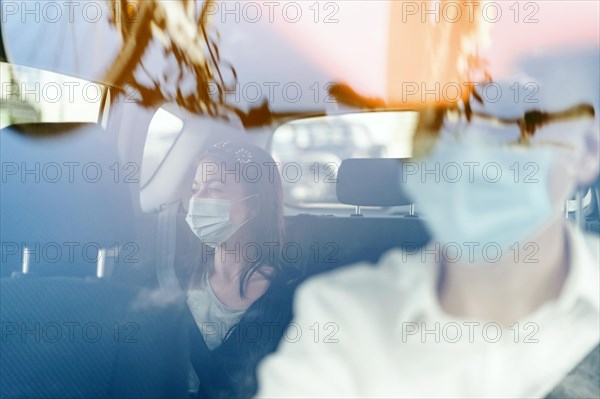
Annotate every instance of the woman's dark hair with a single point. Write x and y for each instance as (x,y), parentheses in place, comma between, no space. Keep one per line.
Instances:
(256,170)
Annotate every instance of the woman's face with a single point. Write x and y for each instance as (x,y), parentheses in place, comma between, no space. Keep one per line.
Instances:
(215,180)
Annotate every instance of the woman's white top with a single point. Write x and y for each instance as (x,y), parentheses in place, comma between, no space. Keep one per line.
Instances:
(379,332)
(214,319)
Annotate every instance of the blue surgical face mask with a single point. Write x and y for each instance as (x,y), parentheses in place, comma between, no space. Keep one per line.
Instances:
(209,219)
(476,195)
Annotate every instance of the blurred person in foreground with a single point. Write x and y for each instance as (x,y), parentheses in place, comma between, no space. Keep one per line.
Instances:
(504,301)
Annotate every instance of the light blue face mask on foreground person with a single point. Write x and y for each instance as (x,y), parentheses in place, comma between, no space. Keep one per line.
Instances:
(475,192)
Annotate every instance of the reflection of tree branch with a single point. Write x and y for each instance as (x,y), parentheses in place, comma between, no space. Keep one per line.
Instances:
(344,94)
(262,115)
(135,41)
(535,119)
(185,38)
(208,96)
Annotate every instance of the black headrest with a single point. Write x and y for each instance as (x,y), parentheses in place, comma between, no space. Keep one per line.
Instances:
(371,182)
(63,195)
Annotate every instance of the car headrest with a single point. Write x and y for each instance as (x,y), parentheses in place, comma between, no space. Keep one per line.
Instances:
(63,196)
(371,182)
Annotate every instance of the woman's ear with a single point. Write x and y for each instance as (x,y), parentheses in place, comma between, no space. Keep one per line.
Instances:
(253,206)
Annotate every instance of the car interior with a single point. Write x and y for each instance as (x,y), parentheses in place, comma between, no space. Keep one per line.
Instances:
(41,217)
(93,225)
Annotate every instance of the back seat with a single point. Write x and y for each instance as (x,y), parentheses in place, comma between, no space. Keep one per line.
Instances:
(318,243)
(66,333)
(81,338)
(328,242)
(63,198)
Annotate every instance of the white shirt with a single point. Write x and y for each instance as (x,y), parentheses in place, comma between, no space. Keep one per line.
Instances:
(214,319)
(386,320)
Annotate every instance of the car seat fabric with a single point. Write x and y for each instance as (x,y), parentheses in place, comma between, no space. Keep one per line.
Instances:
(68,337)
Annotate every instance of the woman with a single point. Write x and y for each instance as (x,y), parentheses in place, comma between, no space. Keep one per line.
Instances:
(239,292)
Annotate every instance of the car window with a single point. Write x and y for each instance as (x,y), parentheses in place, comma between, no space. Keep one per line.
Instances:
(310,151)
(164,129)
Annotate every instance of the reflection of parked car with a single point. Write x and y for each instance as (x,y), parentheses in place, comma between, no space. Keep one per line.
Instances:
(319,148)
(342,139)
(317,182)
(15,111)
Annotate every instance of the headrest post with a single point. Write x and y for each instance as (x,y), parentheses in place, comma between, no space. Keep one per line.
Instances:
(25,264)
(357,210)
(411,210)
(101,264)
(579,209)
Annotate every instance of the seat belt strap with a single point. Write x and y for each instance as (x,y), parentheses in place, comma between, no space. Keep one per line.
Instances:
(165,265)
(201,357)
(211,373)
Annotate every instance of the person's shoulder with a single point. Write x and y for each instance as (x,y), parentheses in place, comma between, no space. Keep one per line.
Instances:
(592,242)
(589,242)
(393,269)
(363,284)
